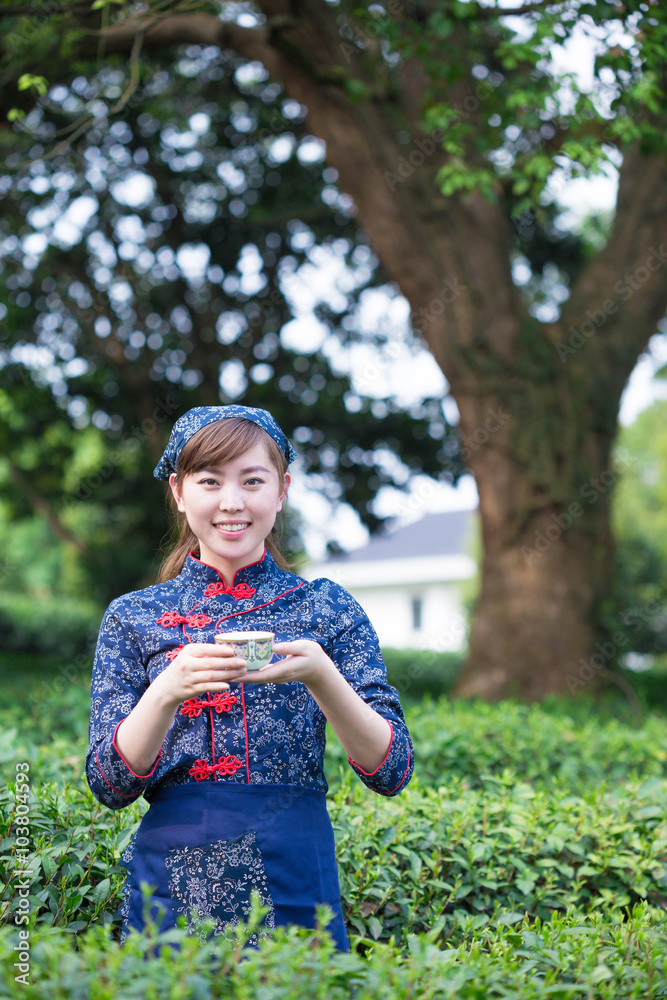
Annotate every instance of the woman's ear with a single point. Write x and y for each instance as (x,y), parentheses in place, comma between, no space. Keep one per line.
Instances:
(173,483)
(287,479)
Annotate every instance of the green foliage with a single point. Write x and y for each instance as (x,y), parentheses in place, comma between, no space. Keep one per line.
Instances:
(526,829)
(28,81)
(512,92)
(639,518)
(75,875)
(451,856)
(53,627)
(568,957)
(527,859)
(557,745)
(416,672)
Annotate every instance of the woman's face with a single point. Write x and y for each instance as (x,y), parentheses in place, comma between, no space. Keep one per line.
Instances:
(232,509)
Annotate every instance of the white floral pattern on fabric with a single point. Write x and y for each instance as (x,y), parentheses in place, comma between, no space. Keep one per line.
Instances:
(276,732)
(124,909)
(215,882)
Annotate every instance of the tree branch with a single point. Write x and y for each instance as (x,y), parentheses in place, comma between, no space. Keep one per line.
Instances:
(41,506)
(193,29)
(627,279)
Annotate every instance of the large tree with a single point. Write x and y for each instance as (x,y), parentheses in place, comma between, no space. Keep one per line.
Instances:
(446,121)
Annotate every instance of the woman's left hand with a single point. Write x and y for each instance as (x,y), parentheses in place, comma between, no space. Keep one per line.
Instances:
(302,660)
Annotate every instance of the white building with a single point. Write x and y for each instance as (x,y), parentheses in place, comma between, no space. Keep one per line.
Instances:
(410,580)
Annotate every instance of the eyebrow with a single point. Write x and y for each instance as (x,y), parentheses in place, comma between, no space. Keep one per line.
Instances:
(242,472)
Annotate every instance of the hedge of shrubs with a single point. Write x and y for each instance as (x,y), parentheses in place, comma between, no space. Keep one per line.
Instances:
(40,626)
(528,859)
(558,744)
(570,956)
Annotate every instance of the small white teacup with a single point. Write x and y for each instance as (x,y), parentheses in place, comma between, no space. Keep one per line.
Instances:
(256,648)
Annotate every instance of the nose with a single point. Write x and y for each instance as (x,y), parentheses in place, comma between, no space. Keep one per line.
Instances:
(231,498)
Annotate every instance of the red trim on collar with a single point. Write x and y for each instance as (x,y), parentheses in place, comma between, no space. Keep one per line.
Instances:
(216,570)
(247,611)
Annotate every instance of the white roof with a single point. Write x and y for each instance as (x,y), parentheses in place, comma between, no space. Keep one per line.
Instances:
(433,549)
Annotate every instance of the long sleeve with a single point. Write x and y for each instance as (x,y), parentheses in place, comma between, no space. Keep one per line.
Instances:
(119,680)
(355,650)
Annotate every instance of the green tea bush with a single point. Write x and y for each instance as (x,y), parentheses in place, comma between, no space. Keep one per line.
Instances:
(428,858)
(570,956)
(75,877)
(528,859)
(563,745)
(451,857)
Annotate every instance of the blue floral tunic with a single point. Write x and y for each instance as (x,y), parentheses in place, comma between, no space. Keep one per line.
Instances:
(267,738)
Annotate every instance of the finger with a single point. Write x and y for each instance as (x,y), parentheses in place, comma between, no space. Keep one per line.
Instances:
(199,649)
(225,667)
(212,682)
(294,646)
(202,686)
(271,673)
(285,648)
(233,666)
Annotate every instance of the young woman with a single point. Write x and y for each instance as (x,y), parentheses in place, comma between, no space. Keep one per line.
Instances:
(231,762)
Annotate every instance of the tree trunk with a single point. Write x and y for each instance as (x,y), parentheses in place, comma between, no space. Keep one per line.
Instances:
(543,579)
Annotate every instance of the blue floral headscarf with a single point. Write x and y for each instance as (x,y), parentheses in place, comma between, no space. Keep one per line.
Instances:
(201,416)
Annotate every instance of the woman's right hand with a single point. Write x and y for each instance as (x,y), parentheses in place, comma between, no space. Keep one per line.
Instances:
(198,668)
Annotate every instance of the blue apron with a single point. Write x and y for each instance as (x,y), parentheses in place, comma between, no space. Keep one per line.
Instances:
(206,846)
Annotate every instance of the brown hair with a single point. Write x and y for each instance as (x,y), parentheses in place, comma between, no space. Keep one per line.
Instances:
(213,446)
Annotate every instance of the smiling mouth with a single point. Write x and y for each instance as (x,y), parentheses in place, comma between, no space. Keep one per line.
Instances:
(233,527)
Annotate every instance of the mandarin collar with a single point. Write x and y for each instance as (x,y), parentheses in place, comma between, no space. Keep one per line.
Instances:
(200,574)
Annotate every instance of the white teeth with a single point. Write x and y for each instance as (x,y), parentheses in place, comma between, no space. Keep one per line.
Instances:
(232,527)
